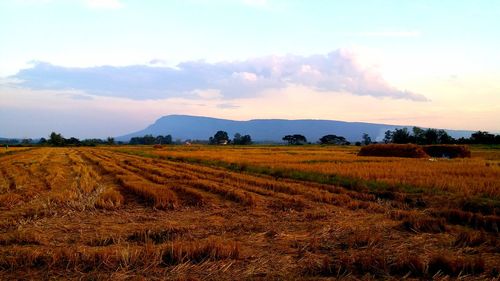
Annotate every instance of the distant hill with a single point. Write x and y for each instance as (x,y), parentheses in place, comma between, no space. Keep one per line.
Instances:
(266,130)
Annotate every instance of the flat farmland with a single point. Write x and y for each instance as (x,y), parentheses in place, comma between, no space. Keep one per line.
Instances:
(239,213)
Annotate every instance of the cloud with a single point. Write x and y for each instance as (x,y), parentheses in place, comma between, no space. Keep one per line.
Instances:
(209,94)
(227,106)
(337,71)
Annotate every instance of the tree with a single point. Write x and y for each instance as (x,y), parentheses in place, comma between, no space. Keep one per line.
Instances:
(146,139)
(56,139)
(92,142)
(242,140)
(295,139)
(333,139)
(164,139)
(220,137)
(110,141)
(418,135)
(150,139)
(237,138)
(366,139)
(401,136)
(481,137)
(42,141)
(72,141)
(444,138)
(431,136)
(388,136)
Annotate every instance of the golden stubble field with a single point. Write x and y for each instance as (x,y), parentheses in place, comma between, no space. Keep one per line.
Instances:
(260,213)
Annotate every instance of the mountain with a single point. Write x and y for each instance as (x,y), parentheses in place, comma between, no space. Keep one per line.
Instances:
(265,130)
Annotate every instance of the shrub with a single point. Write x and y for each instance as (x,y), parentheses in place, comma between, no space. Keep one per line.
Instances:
(447,151)
(393,150)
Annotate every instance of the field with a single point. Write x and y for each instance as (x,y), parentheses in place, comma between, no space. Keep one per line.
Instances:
(239,213)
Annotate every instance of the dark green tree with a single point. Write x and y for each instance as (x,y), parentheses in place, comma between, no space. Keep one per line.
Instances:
(431,136)
(388,136)
(366,139)
(221,137)
(72,141)
(295,139)
(147,139)
(56,139)
(401,136)
(482,137)
(242,140)
(444,138)
(333,139)
(418,135)
(164,139)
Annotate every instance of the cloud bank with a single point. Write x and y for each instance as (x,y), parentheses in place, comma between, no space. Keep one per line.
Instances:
(337,71)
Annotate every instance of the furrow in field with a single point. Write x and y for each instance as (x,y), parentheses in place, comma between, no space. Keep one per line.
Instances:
(188,195)
(210,179)
(154,194)
(210,182)
(20,181)
(92,190)
(282,185)
(183,187)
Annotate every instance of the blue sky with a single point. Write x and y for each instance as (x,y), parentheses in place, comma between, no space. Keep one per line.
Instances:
(107,67)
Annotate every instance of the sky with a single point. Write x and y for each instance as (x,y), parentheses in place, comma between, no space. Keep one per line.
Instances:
(98,68)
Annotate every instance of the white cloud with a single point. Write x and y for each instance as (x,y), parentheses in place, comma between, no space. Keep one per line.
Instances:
(338,71)
(208,94)
(245,76)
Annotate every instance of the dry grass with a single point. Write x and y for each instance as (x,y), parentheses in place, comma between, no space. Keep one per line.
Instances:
(95,213)
(110,199)
(424,224)
(478,176)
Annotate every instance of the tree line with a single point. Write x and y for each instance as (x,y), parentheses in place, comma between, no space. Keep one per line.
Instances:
(150,139)
(221,137)
(400,136)
(56,139)
(434,136)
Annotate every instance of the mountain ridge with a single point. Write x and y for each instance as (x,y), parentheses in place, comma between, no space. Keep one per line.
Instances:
(193,127)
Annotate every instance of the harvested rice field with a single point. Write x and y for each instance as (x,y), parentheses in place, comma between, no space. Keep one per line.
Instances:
(246,213)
